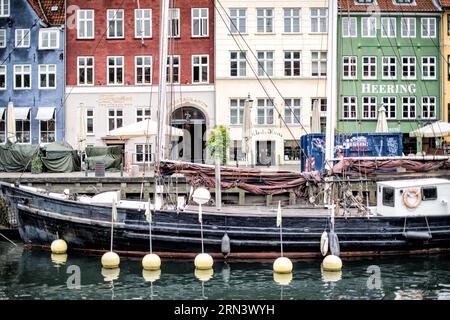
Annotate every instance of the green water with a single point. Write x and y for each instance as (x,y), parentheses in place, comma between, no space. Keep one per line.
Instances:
(31,274)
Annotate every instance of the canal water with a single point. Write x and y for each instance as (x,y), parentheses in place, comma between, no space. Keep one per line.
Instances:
(32,274)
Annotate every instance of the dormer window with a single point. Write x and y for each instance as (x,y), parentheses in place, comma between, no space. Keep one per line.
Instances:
(404,1)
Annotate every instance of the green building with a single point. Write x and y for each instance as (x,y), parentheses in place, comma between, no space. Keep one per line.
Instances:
(389,55)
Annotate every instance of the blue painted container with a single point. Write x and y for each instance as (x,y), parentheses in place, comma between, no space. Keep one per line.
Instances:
(350,145)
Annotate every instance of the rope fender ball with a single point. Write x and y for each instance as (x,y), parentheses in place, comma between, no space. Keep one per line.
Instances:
(412,193)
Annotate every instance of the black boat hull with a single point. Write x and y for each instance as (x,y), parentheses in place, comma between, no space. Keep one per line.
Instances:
(87,227)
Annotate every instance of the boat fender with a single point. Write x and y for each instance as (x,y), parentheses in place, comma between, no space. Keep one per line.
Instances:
(412,193)
(334,244)
(226,247)
(324,243)
(417,235)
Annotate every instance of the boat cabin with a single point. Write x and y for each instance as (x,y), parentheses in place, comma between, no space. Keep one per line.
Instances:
(413,197)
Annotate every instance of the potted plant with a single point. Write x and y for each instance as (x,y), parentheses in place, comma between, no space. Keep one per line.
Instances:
(36,165)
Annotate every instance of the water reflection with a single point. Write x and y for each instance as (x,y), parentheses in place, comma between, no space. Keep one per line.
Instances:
(30,274)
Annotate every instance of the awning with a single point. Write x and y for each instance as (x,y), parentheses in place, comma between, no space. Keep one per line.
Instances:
(433,130)
(21,113)
(45,114)
(2,112)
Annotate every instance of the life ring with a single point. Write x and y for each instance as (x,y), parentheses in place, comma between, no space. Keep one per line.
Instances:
(407,194)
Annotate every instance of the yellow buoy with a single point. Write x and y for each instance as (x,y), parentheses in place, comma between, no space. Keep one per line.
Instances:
(204,274)
(151,262)
(282,265)
(282,278)
(332,263)
(110,274)
(203,261)
(59,246)
(110,260)
(59,258)
(151,275)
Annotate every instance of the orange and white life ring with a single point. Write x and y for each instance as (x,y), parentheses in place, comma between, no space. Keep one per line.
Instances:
(412,193)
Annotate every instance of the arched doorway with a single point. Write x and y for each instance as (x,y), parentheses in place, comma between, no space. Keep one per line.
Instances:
(191,146)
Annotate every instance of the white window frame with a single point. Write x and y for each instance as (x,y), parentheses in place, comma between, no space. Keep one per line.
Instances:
(427,104)
(426,65)
(85,67)
(115,67)
(237,20)
(241,63)
(88,24)
(349,67)
(3,39)
(369,103)
(23,38)
(146,153)
(201,66)
(408,65)
(18,131)
(351,104)
(50,33)
(117,17)
(320,61)
(292,20)
(4,73)
(203,22)
(371,67)
(115,117)
(390,105)
(143,116)
(44,69)
(90,117)
(265,64)
(389,64)
(389,27)
(174,28)
(292,61)
(23,74)
(426,30)
(53,119)
(268,109)
(368,27)
(293,111)
(5,8)
(410,107)
(267,20)
(349,27)
(144,66)
(238,105)
(408,31)
(3,133)
(140,19)
(171,66)
(318,15)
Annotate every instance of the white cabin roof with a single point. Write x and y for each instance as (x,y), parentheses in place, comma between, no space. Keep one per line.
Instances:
(413,183)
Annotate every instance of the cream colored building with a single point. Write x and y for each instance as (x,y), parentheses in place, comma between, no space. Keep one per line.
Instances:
(289,39)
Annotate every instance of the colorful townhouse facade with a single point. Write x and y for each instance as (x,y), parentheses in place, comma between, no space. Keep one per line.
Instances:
(113,73)
(389,55)
(445,70)
(271,58)
(32,69)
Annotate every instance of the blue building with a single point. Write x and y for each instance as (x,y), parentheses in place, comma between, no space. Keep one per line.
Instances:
(32,69)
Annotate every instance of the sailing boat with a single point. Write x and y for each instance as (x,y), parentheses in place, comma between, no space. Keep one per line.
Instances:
(410,216)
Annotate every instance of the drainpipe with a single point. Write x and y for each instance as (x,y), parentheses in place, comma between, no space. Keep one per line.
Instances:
(64,71)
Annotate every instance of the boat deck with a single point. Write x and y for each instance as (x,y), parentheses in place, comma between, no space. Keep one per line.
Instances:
(271,211)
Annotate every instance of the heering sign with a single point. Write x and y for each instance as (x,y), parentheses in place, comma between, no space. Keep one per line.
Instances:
(389,88)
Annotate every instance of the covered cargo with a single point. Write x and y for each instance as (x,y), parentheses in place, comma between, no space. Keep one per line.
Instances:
(60,157)
(349,145)
(110,155)
(17,157)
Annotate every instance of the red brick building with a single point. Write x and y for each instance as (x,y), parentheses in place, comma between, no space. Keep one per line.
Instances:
(113,65)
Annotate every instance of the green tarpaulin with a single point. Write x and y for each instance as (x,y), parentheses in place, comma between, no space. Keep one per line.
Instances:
(60,157)
(17,157)
(111,155)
